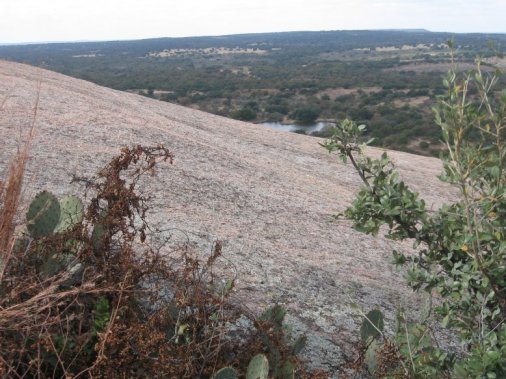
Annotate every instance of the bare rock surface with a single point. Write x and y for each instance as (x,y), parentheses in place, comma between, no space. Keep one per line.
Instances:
(268,195)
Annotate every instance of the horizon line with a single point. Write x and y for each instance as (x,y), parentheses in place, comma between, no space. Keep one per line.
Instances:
(47,42)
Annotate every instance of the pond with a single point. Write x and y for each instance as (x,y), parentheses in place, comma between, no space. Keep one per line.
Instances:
(308,129)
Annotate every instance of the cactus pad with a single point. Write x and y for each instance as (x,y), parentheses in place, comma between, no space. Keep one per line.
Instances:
(71,213)
(275,314)
(225,373)
(258,367)
(43,214)
(372,326)
(56,263)
(370,356)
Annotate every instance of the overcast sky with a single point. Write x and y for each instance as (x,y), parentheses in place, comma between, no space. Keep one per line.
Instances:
(74,20)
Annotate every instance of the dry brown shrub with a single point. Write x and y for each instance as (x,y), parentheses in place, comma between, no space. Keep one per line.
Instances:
(122,308)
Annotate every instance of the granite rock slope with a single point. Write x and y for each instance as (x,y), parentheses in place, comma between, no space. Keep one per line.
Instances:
(268,195)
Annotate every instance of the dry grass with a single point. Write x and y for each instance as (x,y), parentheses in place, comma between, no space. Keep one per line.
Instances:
(121,308)
(10,190)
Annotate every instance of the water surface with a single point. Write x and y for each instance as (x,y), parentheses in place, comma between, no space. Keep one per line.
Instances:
(293,127)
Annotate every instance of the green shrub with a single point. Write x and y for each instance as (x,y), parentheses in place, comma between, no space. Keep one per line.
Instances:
(244,114)
(461,247)
(306,115)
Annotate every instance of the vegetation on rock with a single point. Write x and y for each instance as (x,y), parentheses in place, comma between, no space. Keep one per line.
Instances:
(461,248)
(95,294)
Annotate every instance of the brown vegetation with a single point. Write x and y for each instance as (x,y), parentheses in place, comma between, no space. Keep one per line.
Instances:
(115,306)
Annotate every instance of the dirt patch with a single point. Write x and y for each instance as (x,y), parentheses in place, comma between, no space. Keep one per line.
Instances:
(206,51)
(496,62)
(333,93)
(420,46)
(429,67)
(412,101)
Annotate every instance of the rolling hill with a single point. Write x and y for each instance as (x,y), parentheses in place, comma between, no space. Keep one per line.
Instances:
(268,195)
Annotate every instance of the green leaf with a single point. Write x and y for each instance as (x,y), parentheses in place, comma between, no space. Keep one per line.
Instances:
(229,285)
(101,314)
(182,329)
(495,172)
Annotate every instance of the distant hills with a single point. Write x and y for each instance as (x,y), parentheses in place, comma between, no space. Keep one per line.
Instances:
(405,30)
(341,39)
(386,79)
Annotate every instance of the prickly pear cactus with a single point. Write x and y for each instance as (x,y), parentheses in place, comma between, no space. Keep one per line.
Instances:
(43,214)
(370,356)
(225,373)
(22,238)
(287,371)
(71,213)
(372,326)
(56,263)
(258,367)
(299,345)
(275,314)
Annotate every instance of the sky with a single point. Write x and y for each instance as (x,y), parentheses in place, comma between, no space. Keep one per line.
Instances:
(88,20)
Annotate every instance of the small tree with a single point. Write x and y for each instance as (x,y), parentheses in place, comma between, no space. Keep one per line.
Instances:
(244,114)
(306,115)
(461,247)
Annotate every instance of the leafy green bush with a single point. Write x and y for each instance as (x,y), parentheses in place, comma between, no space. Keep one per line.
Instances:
(461,247)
